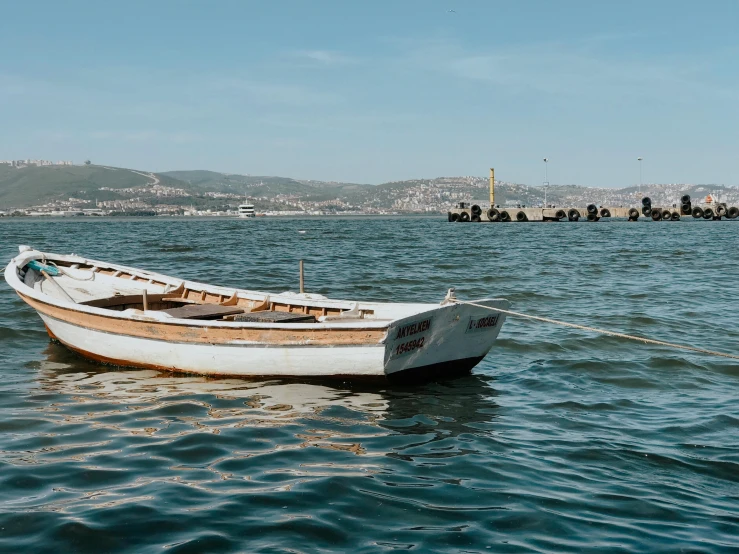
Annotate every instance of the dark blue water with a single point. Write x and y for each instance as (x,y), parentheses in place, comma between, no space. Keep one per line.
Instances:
(560,441)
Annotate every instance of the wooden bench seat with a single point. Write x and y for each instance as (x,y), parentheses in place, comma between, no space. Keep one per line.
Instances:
(203,311)
(268,316)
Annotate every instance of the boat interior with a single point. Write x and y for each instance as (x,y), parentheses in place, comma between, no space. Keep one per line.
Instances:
(143,293)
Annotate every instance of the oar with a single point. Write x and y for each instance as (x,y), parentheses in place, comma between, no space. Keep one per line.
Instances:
(58,286)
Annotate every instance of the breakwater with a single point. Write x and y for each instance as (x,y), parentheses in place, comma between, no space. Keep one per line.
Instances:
(465,212)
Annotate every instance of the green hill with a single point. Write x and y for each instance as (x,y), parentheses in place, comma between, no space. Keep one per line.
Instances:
(198,177)
(228,182)
(131,189)
(33,185)
(263,186)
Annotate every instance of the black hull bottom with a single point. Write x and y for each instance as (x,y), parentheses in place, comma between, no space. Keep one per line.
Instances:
(435,372)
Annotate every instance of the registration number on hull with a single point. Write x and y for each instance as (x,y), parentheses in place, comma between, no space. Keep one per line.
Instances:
(408,347)
(409,335)
(485,323)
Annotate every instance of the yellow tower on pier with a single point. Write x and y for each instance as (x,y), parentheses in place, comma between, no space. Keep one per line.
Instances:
(492,187)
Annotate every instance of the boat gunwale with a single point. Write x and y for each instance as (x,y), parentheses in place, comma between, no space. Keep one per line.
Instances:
(303,342)
(13,279)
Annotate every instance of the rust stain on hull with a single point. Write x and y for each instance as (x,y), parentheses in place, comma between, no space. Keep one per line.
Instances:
(51,334)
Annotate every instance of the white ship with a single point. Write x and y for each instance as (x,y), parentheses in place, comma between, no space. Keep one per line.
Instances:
(246,210)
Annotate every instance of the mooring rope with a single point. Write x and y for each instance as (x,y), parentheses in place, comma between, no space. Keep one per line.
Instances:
(604,331)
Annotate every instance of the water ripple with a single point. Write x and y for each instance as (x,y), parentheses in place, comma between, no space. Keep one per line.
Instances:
(561,441)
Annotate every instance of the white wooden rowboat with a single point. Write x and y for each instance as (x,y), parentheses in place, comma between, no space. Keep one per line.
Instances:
(130,317)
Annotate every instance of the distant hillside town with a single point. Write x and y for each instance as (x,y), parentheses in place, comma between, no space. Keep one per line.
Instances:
(38,163)
(36,188)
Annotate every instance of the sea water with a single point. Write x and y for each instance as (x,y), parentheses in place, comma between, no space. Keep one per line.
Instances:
(559,441)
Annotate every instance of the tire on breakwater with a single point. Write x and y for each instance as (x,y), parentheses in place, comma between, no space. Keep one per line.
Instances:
(721,210)
(521,216)
(685,199)
(675,216)
(708,213)
(505,216)
(633,214)
(476,219)
(605,212)
(592,209)
(646,201)
(476,210)
(493,214)
(732,213)
(593,217)
(463,217)
(666,215)
(656,214)
(697,212)
(449,216)
(560,214)
(686,209)
(453,217)
(573,214)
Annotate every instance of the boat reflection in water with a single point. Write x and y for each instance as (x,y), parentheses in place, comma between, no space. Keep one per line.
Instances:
(154,453)
(225,402)
(64,372)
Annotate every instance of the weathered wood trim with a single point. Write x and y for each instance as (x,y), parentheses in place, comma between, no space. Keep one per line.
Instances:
(232,300)
(176,291)
(193,333)
(264,305)
(123,299)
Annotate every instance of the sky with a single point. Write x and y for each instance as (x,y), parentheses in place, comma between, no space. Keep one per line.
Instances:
(378,91)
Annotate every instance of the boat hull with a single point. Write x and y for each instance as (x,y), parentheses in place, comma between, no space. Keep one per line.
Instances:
(244,360)
(447,350)
(311,363)
(393,341)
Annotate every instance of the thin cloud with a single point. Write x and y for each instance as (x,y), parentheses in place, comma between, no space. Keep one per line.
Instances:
(324,57)
(269,93)
(574,68)
(11,85)
(342,122)
(146,135)
(25,86)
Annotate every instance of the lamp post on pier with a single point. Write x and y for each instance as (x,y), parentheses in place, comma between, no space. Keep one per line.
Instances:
(546,179)
(639,159)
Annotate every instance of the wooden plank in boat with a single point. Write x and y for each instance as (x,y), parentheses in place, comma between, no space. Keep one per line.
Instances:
(121,299)
(203,311)
(275,317)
